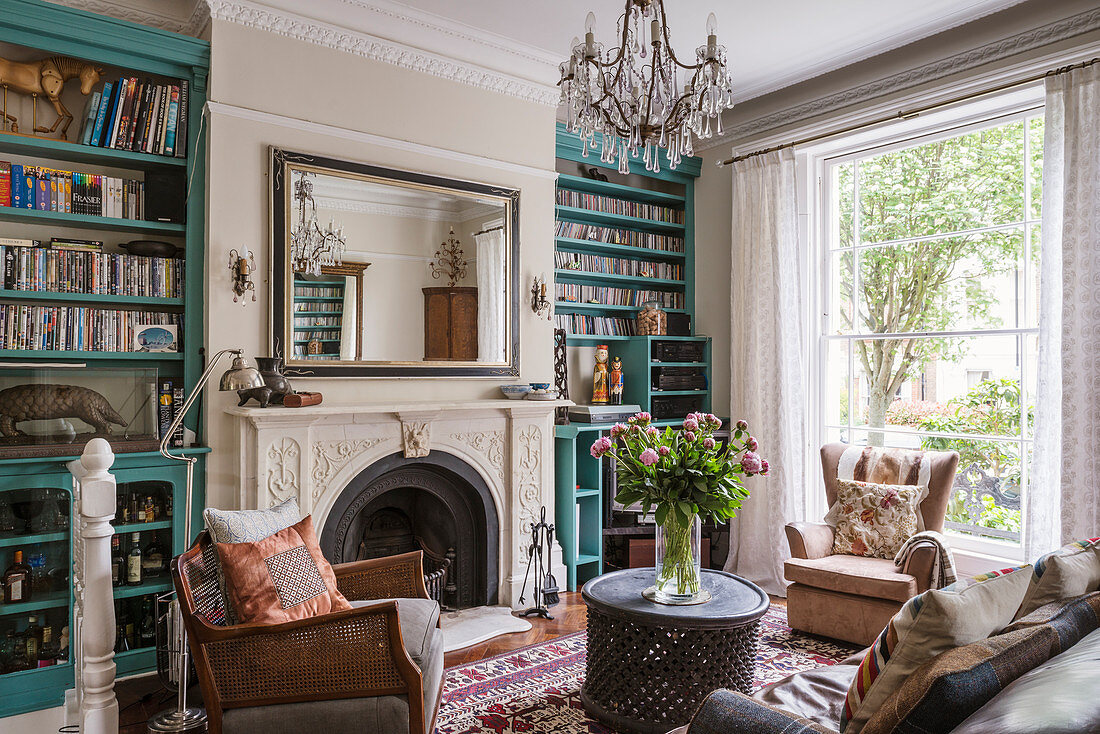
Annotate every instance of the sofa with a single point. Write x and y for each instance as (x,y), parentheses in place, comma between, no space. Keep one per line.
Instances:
(1040,675)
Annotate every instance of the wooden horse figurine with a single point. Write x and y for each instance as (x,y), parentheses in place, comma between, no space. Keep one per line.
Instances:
(47,77)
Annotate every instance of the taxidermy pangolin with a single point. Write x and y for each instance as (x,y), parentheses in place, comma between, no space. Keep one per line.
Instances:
(45,402)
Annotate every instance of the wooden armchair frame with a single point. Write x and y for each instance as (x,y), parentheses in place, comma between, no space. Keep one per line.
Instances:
(357,653)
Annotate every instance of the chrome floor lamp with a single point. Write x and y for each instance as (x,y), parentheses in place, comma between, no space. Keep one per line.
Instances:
(239,376)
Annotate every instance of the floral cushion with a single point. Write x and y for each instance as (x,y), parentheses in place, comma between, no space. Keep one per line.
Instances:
(249,526)
(874,519)
(928,625)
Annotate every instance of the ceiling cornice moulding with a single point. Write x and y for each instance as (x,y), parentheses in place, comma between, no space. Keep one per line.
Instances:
(395,52)
(1005,48)
(191,26)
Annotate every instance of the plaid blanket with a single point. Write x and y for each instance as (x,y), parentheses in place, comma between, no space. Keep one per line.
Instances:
(943,569)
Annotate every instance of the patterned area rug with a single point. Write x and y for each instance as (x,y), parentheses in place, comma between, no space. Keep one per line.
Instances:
(536,690)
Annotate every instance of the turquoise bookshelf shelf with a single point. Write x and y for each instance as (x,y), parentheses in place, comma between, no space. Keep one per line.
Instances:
(54,600)
(35,355)
(34,28)
(87,221)
(89,298)
(63,150)
(16,541)
(581,495)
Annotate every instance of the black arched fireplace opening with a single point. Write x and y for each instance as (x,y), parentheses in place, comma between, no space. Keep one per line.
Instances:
(438,504)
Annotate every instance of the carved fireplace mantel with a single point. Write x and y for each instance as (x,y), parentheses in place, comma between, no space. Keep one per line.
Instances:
(313,453)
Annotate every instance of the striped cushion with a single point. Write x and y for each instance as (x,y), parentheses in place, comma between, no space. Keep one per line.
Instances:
(942,692)
(1069,571)
(927,625)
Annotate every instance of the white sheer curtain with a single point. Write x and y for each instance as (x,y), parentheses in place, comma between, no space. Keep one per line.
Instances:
(767,361)
(349,328)
(491,283)
(1063,503)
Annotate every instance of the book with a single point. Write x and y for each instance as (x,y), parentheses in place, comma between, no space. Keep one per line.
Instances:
(165,396)
(164,103)
(181,119)
(18,242)
(101,113)
(41,189)
(126,121)
(177,406)
(113,112)
(5,183)
(90,112)
(172,123)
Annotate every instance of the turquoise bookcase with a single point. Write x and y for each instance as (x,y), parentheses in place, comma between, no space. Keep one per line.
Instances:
(580,493)
(47,28)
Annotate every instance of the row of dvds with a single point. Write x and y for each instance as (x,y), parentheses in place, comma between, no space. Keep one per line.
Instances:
(613,236)
(607,296)
(312,322)
(70,192)
(301,291)
(76,328)
(141,115)
(576,323)
(617,266)
(67,271)
(611,205)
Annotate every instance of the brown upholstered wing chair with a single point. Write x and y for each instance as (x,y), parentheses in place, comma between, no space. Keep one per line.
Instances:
(376,667)
(850,597)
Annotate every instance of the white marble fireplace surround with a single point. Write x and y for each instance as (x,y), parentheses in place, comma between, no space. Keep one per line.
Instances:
(313,453)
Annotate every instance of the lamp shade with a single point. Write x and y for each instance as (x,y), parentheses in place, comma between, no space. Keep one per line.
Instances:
(240,376)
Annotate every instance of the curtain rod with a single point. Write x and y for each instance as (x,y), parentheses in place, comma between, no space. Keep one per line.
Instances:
(906,114)
(487,230)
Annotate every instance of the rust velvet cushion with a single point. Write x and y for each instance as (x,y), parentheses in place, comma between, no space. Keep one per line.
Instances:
(280,578)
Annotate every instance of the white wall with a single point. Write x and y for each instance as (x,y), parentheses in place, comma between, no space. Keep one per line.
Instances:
(713,260)
(254,70)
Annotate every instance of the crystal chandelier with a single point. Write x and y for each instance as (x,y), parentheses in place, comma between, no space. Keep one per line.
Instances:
(633,94)
(310,246)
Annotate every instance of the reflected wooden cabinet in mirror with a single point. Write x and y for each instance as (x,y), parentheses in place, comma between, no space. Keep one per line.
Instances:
(332,316)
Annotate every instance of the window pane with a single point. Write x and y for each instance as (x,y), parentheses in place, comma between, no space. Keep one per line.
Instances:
(951,284)
(843,224)
(961,385)
(1035,128)
(840,292)
(974,180)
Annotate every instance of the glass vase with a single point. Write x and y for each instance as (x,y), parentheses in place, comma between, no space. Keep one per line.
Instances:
(679,562)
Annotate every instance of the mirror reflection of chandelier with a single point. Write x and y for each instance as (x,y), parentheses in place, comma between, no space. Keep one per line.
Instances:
(310,246)
(639,95)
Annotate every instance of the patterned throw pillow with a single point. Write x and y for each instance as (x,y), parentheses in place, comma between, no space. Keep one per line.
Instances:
(1069,571)
(929,624)
(280,578)
(875,519)
(248,526)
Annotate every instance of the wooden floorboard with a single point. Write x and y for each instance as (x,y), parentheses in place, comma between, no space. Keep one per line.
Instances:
(141,698)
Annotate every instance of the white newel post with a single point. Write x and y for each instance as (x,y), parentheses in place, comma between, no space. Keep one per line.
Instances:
(94,609)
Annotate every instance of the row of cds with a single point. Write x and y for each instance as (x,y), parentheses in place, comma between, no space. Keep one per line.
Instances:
(617,266)
(576,323)
(610,205)
(607,296)
(613,236)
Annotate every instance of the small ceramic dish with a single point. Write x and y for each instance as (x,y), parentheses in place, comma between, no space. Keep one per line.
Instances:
(542,395)
(540,386)
(515,392)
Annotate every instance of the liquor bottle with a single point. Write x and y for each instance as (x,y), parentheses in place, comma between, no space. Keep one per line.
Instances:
(133,508)
(7,651)
(140,513)
(63,646)
(124,628)
(148,628)
(133,561)
(150,509)
(19,656)
(152,562)
(40,580)
(33,634)
(120,510)
(47,655)
(17,580)
(118,561)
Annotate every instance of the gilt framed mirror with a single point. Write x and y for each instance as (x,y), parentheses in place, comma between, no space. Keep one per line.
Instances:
(378,272)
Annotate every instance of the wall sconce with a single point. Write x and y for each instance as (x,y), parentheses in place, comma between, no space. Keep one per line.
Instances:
(241,265)
(540,304)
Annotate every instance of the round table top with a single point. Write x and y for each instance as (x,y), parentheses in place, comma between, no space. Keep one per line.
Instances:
(734,601)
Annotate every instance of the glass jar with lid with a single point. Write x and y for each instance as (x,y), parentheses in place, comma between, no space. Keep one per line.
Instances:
(652,320)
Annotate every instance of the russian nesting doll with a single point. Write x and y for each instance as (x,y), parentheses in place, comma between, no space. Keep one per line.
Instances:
(616,379)
(600,389)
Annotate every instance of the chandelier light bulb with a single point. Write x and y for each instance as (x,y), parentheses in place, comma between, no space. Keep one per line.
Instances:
(712,25)
(590,23)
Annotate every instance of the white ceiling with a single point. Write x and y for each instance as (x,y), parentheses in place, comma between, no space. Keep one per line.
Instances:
(771,43)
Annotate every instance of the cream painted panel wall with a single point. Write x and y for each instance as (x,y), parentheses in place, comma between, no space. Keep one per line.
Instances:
(260,70)
(713,202)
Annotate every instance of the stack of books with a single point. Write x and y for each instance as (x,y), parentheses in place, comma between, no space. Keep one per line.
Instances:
(67,265)
(75,328)
(140,115)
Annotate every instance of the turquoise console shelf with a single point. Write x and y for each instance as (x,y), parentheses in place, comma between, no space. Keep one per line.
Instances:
(581,492)
(39,29)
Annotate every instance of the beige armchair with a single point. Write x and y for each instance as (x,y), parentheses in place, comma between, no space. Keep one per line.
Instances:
(850,597)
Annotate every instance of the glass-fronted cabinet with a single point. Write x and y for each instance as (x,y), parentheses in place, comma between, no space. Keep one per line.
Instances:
(36,608)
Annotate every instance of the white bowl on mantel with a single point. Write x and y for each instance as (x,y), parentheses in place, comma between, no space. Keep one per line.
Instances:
(515,392)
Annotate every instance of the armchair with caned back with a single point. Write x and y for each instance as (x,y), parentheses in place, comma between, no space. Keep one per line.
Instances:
(376,667)
(853,597)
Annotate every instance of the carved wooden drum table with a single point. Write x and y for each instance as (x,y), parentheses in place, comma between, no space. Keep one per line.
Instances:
(650,665)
